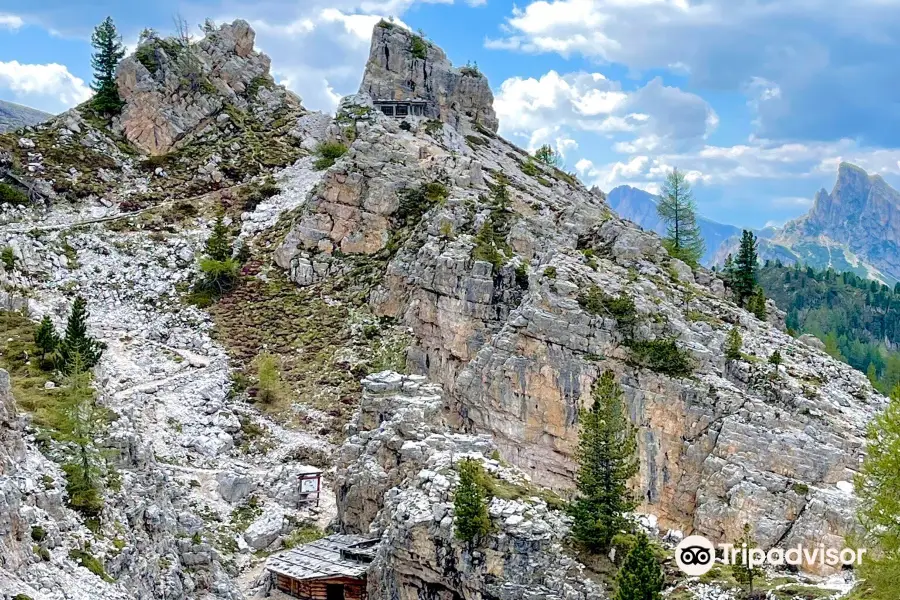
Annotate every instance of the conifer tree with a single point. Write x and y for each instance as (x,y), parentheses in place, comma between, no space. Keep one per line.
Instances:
(45,338)
(220,270)
(641,577)
(548,156)
(607,459)
(109,51)
(878,488)
(775,359)
(218,246)
(744,281)
(80,424)
(677,208)
(470,503)
(728,269)
(77,344)
(743,572)
(733,343)
(757,304)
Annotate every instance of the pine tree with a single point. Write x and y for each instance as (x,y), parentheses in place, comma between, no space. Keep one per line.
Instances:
(733,344)
(607,458)
(109,51)
(742,571)
(641,577)
(470,503)
(218,246)
(77,344)
(677,208)
(757,304)
(878,488)
(80,424)
(746,268)
(45,338)
(775,360)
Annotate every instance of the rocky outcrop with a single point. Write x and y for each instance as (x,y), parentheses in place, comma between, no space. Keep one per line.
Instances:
(396,480)
(403,66)
(490,280)
(170,89)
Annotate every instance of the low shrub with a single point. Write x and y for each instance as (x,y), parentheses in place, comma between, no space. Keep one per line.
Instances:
(621,308)
(328,153)
(663,356)
(12,195)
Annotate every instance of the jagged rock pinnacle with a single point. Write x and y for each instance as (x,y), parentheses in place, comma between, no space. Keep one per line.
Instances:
(404,66)
(171,90)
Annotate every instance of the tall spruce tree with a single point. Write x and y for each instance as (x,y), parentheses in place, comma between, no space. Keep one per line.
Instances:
(878,488)
(470,503)
(641,577)
(757,304)
(77,345)
(677,209)
(45,338)
(109,51)
(743,282)
(607,459)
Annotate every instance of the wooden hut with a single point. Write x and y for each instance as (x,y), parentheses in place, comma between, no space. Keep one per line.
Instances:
(332,568)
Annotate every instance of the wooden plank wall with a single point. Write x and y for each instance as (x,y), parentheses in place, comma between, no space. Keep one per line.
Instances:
(315,589)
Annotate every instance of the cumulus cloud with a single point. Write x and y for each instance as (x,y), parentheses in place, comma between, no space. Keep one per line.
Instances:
(10,21)
(50,86)
(812,73)
(757,161)
(654,117)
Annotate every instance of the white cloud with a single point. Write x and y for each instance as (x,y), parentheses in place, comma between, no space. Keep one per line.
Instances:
(811,73)
(656,117)
(10,21)
(48,86)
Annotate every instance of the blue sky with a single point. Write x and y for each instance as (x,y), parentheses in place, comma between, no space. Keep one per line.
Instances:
(757,100)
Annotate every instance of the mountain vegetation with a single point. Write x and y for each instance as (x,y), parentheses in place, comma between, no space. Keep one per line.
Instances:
(857,319)
(607,457)
(679,211)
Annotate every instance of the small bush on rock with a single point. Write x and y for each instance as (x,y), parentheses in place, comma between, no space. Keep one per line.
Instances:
(328,153)
(8,258)
(12,195)
(662,356)
(621,308)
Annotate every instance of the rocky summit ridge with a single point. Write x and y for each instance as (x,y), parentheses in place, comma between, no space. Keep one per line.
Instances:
(429,245)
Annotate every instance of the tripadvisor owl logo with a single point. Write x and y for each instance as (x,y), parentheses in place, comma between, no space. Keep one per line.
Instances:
(696,555)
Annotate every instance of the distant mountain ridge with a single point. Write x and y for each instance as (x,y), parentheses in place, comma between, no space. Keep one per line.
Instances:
(639,207)
(14,116)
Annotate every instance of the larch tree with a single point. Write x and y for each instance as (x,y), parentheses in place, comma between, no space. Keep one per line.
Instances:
(607,460)
(878,488)
(108,51)
(679,211)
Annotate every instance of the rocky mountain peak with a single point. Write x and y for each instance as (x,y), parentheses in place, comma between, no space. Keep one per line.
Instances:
(172,88)
(404,66)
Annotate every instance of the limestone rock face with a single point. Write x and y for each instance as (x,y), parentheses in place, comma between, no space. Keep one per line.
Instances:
(170,90)
(488,281)
(404,66)
(396,476)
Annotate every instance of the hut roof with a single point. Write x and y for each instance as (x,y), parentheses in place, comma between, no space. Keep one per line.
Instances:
(332,556)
